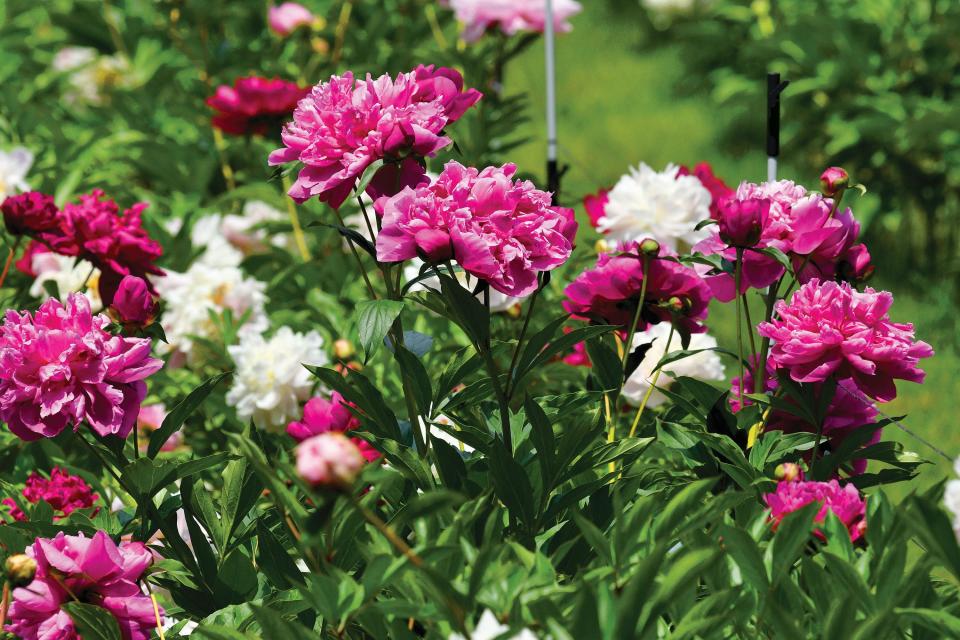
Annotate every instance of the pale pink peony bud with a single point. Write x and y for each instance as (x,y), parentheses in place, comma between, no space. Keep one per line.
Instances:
(286,18)
(329,460)
(834,180)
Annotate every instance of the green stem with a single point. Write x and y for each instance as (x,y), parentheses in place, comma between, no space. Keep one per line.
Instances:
(653,384)
(295,222)
(516,351)
(628,345)
(356,255)
(738,274)
(750,327)
(760,372)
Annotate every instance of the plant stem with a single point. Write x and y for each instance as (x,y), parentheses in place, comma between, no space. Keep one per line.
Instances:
(4,603)
(653,384)
(628,345)
(816,444)
(750,327)
(356,255)
(6,265)
(340,33)
(225,167)
(760,367)
(156,613)
(516,352)
(737,275)
(295,222)
(398,543)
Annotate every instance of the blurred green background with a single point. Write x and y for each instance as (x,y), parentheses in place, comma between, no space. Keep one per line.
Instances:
(618,105)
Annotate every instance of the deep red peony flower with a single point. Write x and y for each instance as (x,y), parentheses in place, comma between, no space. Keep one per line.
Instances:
(255,105)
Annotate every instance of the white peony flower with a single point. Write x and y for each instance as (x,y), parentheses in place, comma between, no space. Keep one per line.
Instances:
(71,275)
(89,72)
(668,6)
(241,232)
(213,283)
(498,301)
(14,165)
(270,381)
(440,434)
(663,206)
(489,628)
(703,366)
(951,498)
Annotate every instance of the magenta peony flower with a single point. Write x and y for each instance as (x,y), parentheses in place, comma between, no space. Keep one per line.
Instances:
(500,230)
(329,416)
(93,570)
(844,502)
(719,190)
(329,459)
(287,17)
(831,329)
(65,493)
(741,222)
(60,367)
(609,293)
(834,180)
(116,244)
(254,105)
(510,16)
(31,213)
(345,125)
(25,263)
(133,303)
(595,204)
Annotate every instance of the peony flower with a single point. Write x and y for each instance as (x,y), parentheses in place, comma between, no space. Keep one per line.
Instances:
(270,380)
(609,293)
(133,303)
(830,329)
(254,105)
(510,16)
(287,17)
(329,416)
(59,367)
(117,245)
(64,493)
(89,73)
(93,570)
(665,206)
(489,628)
(31,213)
(834,180)
(150,419)
(951,497)
(741,222)
(702,366)
(70,275)
(849,410)
(345,125)
(14,165)
(844,502)
(595,204)
(330,460)
(719,190)
(501,231)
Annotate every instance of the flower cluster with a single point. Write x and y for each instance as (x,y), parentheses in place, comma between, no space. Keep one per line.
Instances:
(91,570)
(329,416)
(832,330)
(610,292)
(255,105)
(510,16)
(60,367)
(500,230)
(345,125)
(845,502)
(65,493)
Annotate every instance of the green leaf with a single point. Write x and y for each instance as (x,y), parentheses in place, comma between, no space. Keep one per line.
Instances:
(92,622)
(181,412)
(607,367)
(792,535)
(368,175)
(274,560)
(273,625)
(594,537)
(218,632)
(511,482)
(374,319)
(464,309)
(743,549)
(417,378)
(145,476)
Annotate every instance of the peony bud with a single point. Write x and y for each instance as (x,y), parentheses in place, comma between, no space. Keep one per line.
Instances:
(133,304)
(20,569)
(329,460)
(788,472)
(650,247)
(834,181)
(742,221)
(30,213)
(286,18)
(343,349)
(601,246)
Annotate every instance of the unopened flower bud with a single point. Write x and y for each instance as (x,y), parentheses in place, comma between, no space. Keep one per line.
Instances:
(834,181)
(20,569)
(788,472)
(678,304)
(650,247)
(601,246)
(343,349)
(742,221)
(329,460)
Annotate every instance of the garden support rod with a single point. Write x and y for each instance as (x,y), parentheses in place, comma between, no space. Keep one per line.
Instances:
(553,171)
(774,88)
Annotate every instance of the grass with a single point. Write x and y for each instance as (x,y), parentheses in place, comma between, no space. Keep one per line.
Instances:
(617,107)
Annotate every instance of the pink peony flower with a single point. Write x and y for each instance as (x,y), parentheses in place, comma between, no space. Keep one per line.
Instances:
(834,180)
(149,419)
(329,459)
(60,367)
(844,502)
(329,416)
(133,303)
(741,222)
(510,16)
(287,17)
(719,190)
(345,125)
(849,410)
(595,205)
(31,213)
(25,263)
(831,329)
(500,230)
(609,293)
(65,493)
(116,244)
(254,105)
(93,570)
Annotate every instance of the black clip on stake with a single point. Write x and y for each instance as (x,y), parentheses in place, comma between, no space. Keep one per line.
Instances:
(774,89)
